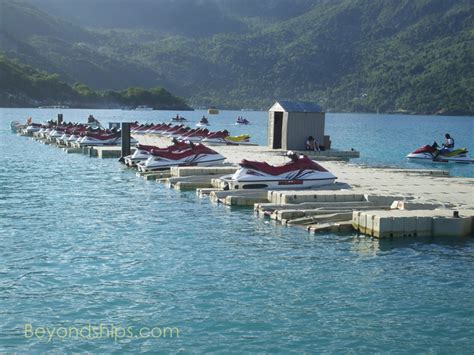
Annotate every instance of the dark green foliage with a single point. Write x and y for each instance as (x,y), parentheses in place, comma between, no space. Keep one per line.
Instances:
(349,55)
(22,85)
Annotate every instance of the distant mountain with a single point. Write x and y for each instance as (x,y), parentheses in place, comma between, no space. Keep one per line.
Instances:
(24,86)
(193,18)
(349,55)
(58,46)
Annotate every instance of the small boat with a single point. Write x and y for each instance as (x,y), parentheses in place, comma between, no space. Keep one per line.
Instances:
(193,155)
(430,154)
(300,173)
(212,111)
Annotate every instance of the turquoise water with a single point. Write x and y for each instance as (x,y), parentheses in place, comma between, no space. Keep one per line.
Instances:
(84,241)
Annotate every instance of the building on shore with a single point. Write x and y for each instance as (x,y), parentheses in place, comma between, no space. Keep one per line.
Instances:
(291,123)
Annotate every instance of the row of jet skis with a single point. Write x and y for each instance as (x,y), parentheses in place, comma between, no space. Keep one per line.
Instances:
(90,135)
(182,132)
(188,149)
(77,133)
(300,172)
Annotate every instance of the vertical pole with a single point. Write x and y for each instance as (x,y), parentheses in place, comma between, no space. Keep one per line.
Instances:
(125,140)
(60,118)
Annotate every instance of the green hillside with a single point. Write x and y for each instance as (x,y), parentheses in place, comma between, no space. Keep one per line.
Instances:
(349,55)
(24,86)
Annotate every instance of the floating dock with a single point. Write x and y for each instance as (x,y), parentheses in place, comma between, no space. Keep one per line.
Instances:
(375,201)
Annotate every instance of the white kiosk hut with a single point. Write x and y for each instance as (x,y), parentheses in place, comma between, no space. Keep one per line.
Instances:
(291,123)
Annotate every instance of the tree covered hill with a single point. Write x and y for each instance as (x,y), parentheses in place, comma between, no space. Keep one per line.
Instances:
(349,55)
(24,86)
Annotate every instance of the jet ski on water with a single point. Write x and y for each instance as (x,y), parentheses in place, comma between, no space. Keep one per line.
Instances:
(15,126)
(242,121)
(178,119)
(203,122)
(432,154)
(143,152)
(300,173)
(193,155)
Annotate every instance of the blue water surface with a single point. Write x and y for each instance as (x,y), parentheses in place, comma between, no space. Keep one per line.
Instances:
(84,241)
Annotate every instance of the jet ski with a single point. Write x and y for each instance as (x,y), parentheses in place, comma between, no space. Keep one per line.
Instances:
(103,138)
(216,137)
(195,136)
(429,153)
(141,129)
(242,121)
(16,126)
(178,118)
(158,128)
(300,173)
(193,155)
(238,140)
(143,152)
(223,137)
(32,128)
(203,122)
(178,133)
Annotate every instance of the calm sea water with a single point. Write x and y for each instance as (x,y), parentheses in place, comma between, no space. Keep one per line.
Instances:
(84,241)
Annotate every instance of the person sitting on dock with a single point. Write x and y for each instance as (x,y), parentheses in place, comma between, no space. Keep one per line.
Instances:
(311,144)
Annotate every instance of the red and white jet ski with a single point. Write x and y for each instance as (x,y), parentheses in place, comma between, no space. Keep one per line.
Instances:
(143,152)
(193,155)
(430,154)
(103,138)
(33,128)
(300,173)
(141,129)
(195,136)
